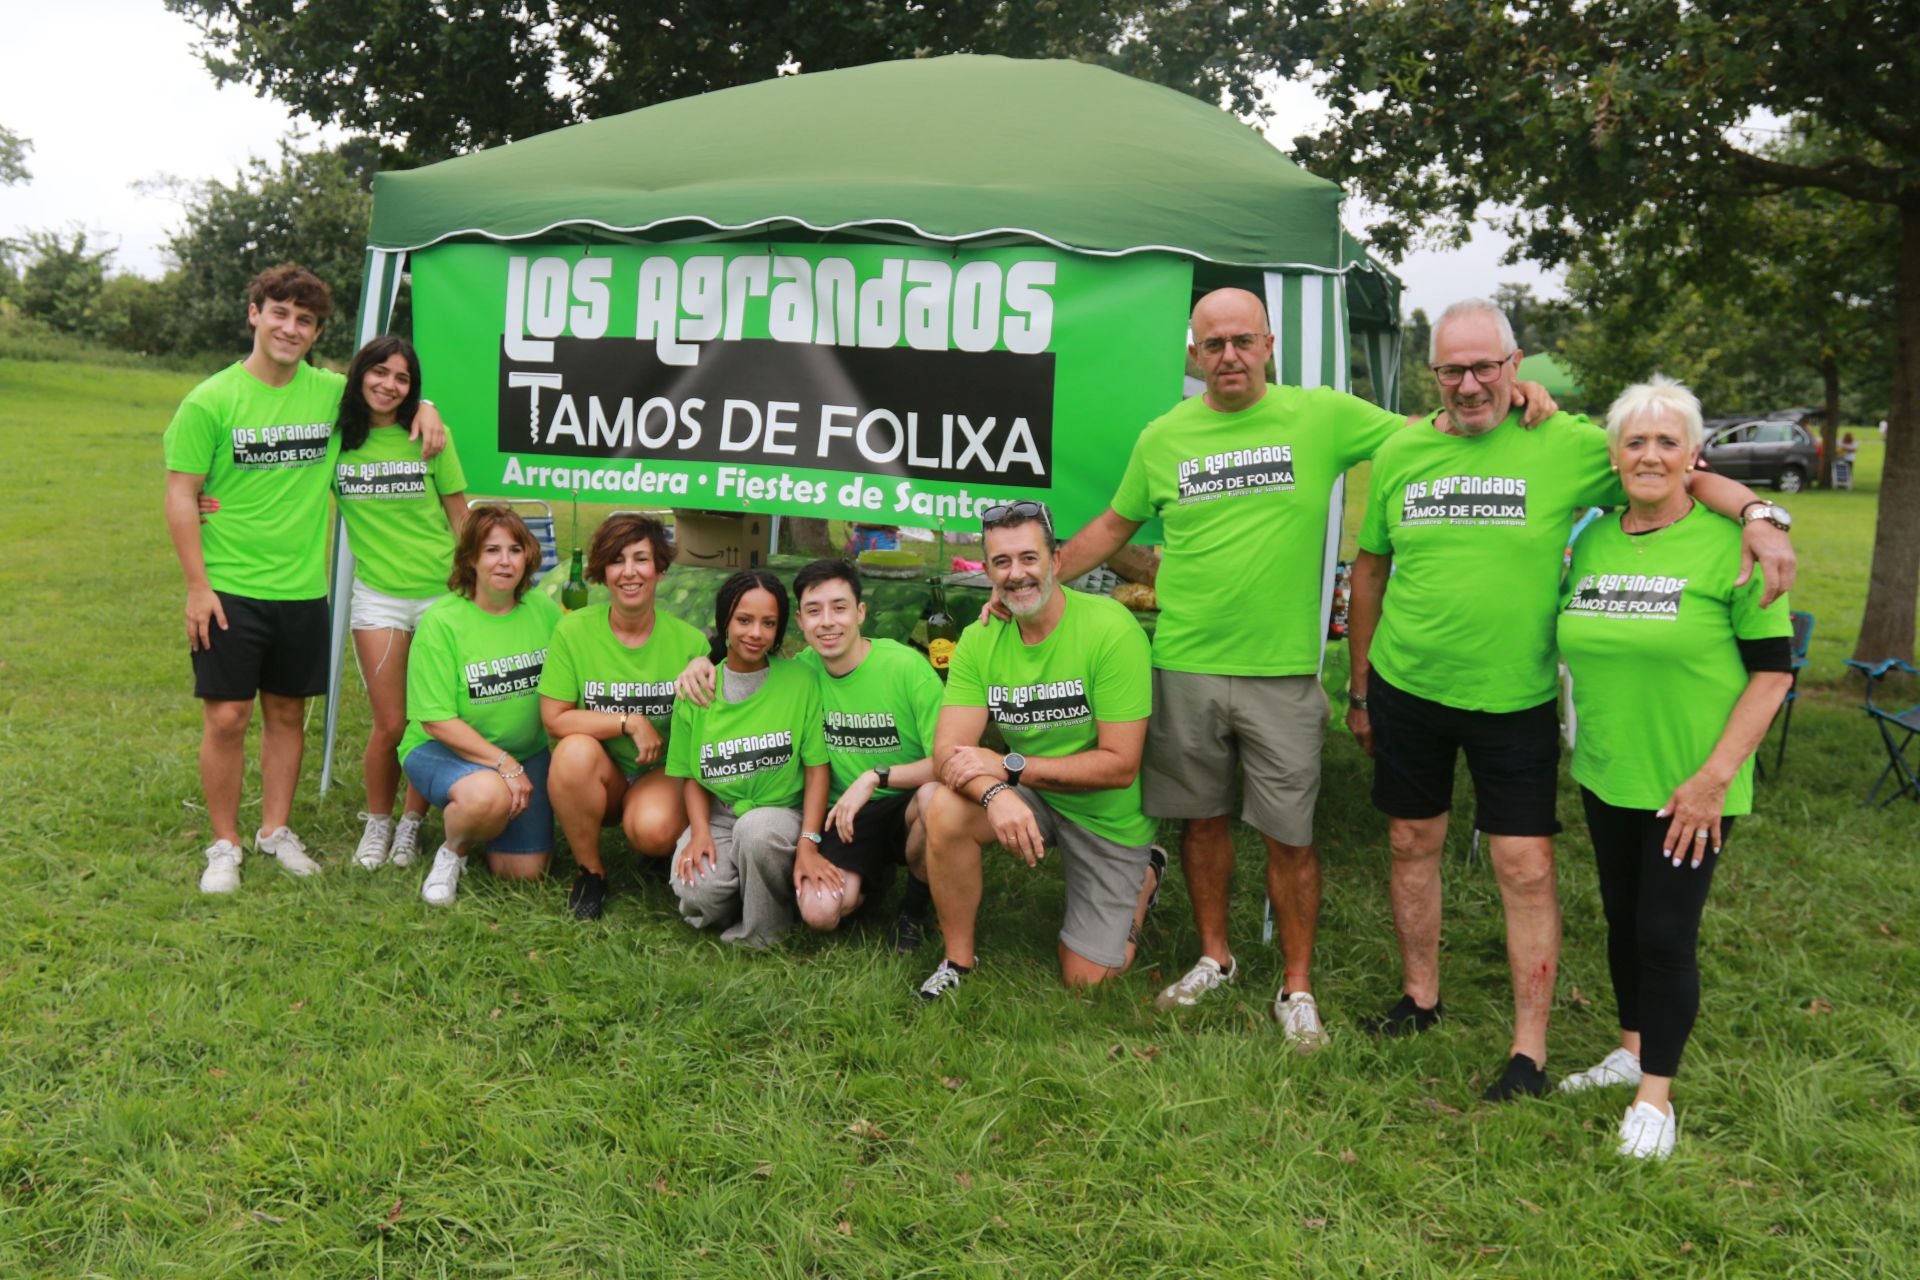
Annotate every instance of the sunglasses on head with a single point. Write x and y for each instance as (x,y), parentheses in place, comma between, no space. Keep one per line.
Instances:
(1001,512)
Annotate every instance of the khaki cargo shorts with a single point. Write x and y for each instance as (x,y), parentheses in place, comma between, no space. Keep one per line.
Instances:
(1260,734)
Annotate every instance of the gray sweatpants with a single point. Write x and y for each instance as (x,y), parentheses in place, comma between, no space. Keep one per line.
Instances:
(749,887)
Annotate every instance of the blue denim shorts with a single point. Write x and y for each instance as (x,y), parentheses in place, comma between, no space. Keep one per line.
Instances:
(433,769)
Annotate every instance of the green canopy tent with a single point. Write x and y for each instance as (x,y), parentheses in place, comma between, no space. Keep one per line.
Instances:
(974,153)
(1551,372)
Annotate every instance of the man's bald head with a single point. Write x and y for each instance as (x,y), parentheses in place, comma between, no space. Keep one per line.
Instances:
(1231,346)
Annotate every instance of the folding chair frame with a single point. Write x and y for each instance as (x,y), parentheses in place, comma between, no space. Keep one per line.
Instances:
(1907,722)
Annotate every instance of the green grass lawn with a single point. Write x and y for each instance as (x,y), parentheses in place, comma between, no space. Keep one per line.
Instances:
(330,1079)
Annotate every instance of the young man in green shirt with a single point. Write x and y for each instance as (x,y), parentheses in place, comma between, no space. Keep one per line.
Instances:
(258,437)
(1456,653)
(1068,683)
(881,702)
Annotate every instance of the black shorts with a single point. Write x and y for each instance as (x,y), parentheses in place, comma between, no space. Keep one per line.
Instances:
(879,841)
(1512,756)
(269,646)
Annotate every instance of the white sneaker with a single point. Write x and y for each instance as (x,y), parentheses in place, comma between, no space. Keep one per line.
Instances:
(1647,1132)
(406,839)
(1299,1020)
(375,841)
(444,880)
(223,867)
(1199,980)
(1622,1066)
(287,847)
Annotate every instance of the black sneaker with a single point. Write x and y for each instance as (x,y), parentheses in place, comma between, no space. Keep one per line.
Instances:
(1157,862)
(1523,1078)
(907,933)
(588,897)
(943,980)
(1404,1019)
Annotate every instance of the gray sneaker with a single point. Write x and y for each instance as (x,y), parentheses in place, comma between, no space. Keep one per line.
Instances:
(375,841)
(1199,980)
(1299,1019)
(406,839)
(223,867)
(288,849)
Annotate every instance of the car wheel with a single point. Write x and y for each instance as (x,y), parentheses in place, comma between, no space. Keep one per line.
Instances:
(1792,480)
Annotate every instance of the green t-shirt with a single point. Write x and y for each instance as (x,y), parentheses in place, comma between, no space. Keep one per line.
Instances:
(1049,698)
(390,498)
(468,664)
(1243,497)
(752,754)
(1477,527)
(589,667)
(1649,626)
(881,713)
(267,453)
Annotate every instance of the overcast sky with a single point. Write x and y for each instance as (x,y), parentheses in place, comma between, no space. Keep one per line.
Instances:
(111,94)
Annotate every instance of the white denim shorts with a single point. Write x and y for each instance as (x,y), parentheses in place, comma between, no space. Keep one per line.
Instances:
(372,610)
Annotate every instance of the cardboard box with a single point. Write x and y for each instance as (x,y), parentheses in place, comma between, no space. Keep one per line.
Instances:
(718,540)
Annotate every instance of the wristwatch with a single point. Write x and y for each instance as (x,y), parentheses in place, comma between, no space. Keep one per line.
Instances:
(1015,764)
(882,772)
(1358,701)
(1772,512)
(811,835)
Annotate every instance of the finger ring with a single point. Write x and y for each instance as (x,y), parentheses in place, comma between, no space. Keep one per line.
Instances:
(1700,835)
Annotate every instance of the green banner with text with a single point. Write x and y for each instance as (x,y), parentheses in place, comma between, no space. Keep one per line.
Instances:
(885,383)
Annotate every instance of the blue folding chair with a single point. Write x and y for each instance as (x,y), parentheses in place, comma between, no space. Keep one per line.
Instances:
(1802,639)
(1897,732)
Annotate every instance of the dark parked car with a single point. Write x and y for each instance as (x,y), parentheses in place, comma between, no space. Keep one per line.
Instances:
(1756,451)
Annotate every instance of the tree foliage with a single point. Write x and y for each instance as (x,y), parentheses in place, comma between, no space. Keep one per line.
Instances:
(62,280)
(310,207)
(436,79)
(13,157)
(1633,123)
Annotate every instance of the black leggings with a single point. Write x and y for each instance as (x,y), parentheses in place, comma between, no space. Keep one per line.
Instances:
(1653,927)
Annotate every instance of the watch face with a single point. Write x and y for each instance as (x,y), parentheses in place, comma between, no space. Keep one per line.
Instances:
(1015,762)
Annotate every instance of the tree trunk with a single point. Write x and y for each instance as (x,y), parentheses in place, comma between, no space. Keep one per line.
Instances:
(1830,426)
(808,536)
(1886,628)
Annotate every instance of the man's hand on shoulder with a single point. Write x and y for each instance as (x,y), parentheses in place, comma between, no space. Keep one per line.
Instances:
(429,430)
(1771,547)
(1536,406)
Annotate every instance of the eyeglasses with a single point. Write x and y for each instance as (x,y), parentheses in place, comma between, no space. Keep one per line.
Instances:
(1451,375)
(1240,341)
(1002,512)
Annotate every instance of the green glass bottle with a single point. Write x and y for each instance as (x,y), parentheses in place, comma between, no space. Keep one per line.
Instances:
(573,596)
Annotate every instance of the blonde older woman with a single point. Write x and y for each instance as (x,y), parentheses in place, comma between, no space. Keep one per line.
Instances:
(1677,673)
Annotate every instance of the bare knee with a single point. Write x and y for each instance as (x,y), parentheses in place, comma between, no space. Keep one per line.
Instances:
(652,833)
(226,722)
(283,713)
(949,816)
(1524,866)
(484,803)
(822,912)
(575,761)
(1078,973)
(1416,841)
(518,866)
(1291,857)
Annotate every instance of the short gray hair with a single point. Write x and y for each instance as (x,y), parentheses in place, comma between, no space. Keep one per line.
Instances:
(1471,307)
(1657,397)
